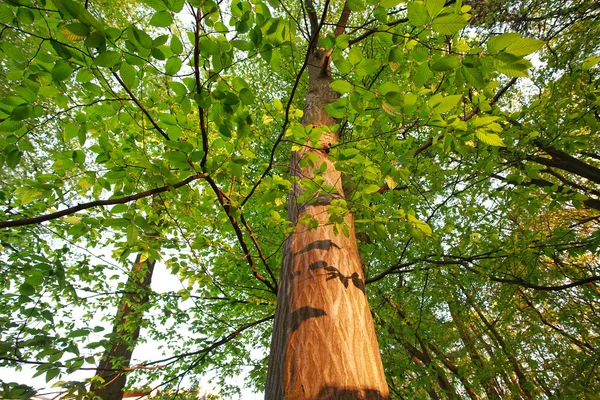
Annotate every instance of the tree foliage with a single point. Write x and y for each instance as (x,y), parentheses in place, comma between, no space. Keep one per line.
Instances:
(162,131)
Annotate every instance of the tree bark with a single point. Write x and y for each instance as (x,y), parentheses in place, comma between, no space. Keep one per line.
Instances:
(324,344)
(126,330)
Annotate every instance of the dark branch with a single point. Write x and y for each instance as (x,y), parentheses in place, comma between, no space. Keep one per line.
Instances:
(109,202)
(141,107)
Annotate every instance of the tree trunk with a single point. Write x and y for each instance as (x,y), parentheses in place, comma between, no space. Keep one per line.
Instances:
(523,383)
(126,330)
(491,389)
(324,344)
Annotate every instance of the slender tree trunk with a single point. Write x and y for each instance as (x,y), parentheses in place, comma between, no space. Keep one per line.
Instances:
(324,344)
(489,382)
(425,358)
(525,385)
(126,330)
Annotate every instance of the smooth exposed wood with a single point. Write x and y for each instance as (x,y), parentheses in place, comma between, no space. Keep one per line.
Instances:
(324,344)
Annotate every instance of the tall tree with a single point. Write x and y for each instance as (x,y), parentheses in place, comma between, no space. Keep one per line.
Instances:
(429,168)
(324,343)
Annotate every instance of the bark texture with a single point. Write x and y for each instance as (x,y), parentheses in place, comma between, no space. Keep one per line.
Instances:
(126,330)
(324,344)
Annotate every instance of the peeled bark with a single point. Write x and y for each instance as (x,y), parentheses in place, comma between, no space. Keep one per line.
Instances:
(126,330)
(324,344)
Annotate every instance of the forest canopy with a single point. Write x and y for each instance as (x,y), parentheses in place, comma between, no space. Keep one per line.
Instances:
(440,158)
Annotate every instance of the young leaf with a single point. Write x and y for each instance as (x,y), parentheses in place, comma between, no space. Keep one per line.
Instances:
(341,86)
(524,46)
(446,63)
(76,31)
(107,59)
(176,45)
(417,13)
(449,24)
(489,138)
(434,7)
(389,3)
(161,19)
(500,42)
(172,66)
(447,103)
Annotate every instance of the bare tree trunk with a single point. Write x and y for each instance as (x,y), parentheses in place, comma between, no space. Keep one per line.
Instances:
(126,330)
(324,344)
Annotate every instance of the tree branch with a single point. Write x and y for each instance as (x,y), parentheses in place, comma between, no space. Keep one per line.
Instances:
(561,160)
(591,203)
(109,202)
(239,234)
(470,115)
(199,87)
(141,107)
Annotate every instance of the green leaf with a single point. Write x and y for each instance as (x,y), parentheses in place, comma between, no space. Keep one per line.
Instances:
(247,97)
(489,138)
(158,5)
(161,19)
(172,66)
(422,74)
(446,63)
(371,189)
(417,13)
(141,37)
(515,70)
(500,42)
(449,24)
(176,45)
(524,46)
(590,62)
(108,59)
(347,154)
(175,5)
(447,103)
(367,67)
(26,289)
(434,7)
(387,87)
(243,45)
(473,76)
(21,112)
(6,14)
(129,75)
(179,88)
(389,3)
(75,31)
(482,121)
(341,86)
(61,71)
(341,42)
(356,5)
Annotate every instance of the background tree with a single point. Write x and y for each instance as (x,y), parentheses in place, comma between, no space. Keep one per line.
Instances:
(473,190)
